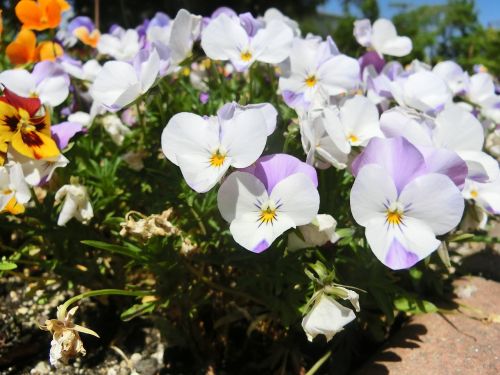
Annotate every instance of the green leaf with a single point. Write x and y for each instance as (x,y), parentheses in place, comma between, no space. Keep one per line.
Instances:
(132,251)
(7,266)
(459,237)
(413,305)
(138,310)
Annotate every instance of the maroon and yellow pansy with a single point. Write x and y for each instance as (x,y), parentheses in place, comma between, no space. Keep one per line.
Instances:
(25,124)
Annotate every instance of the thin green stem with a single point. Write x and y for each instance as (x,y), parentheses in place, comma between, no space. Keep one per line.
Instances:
(319,363)
(103,292)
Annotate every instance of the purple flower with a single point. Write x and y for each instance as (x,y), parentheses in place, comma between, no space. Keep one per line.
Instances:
(402,203)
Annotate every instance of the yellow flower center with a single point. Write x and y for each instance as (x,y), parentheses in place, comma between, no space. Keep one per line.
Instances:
(394,214)
(217,159)
(474,194)
(267,215)
(246,56)
(352,138)
(311,81)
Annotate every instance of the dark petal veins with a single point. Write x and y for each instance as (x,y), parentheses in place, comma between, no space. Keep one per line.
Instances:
(31,139)
(12,122)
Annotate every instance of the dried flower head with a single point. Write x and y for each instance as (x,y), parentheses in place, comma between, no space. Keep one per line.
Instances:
(148,226)
(66,342)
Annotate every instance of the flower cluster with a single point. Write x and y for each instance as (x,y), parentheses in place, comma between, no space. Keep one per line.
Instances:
(412,138)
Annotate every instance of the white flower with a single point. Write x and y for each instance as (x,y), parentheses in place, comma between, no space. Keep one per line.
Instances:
(204,149)
(259,216)
(423,90)
(13,186)
(48,82)
(38,171)
(454,129)
(120,83)
(317,71)
(274,14)
(485,195)
(226,39)
(327,317)
(174,40)
(115,128)
(76,203)
(454,76)
(382,37)
(322,150)
(121,44)
(86,72)
(320,231)
(357,123)
(80,117)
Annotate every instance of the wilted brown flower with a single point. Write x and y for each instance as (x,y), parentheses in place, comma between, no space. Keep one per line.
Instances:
(66,342)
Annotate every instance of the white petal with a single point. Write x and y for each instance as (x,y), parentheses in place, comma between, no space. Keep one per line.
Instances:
(339,74)
(186,133)
(238,194)
(273,43)
(53,90)
(327,317)
(372,190)
(197,171)
(297,199)
(426,91)
(481,166)
(336,131)
(244,137)
(359,117)
(224,39)
(23,193)
(363,32)
(385,39)
(149,71)
(435,200)
(117,82)
(68,210)
(396,122)
(185,26)
(19,81)
(457,129)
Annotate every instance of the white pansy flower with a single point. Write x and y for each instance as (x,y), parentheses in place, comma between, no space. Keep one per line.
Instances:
(13,186)
(327,317)
(320,231)
(120,44)
(382,37)
(226,39)
(204,148)
(120,83)
(76,203)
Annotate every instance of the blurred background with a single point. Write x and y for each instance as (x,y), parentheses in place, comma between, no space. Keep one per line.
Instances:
(466,31)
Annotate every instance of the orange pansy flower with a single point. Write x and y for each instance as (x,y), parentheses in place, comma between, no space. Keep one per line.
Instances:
(90,39)
(49,51)
(22,50)
(41,14)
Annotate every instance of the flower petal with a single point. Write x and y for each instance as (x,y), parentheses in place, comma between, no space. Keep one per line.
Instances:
(435,200)
(371,192)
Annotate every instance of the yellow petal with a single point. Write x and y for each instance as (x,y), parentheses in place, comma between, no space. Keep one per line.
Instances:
(34,145)
(14,207)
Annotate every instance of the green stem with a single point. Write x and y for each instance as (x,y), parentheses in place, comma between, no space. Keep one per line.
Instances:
(319,363)
(103,292)
(141,123)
